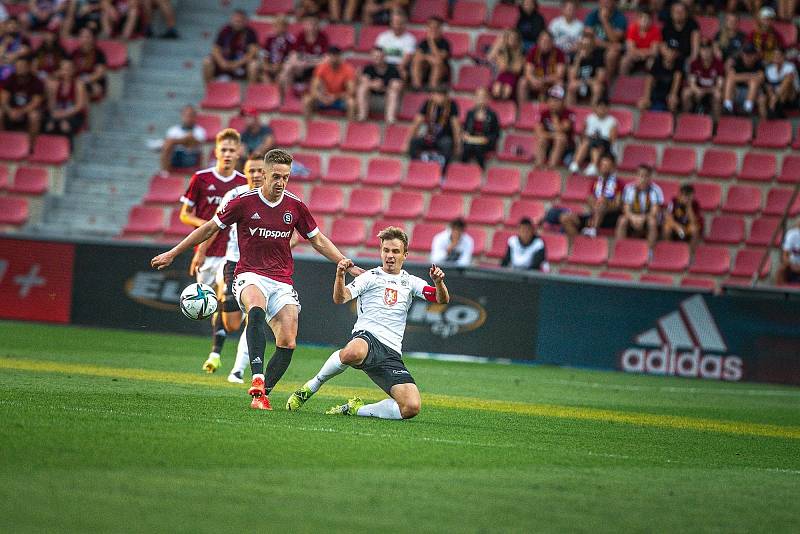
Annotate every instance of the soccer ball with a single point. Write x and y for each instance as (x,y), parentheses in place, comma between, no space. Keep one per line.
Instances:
(198,301)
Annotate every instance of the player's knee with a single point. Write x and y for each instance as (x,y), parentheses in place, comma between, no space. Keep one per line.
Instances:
(349,356)
(410,408)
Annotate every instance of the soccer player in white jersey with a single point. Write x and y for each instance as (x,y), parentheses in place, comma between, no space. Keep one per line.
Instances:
(265,220)
(384,297)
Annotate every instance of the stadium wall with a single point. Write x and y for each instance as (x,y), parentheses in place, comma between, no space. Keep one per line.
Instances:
(747,336)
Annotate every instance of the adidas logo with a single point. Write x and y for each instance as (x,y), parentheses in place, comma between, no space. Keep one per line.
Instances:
(255,216)
(685,343)
(257,359)
(212,188)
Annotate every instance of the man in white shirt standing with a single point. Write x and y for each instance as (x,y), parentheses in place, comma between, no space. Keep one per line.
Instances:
(183,143)
(566,28)
(453,246)
(789,270)
(398,44)
(599,136)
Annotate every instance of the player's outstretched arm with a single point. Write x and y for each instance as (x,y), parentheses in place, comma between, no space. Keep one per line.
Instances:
(340,292)
(442,294)
(325,246)
(198,235)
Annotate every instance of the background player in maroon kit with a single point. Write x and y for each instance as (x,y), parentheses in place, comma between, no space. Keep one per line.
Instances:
(265,219)
(200,203)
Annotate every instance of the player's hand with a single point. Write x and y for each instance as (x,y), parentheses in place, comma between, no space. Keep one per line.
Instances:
(355,270)
(343,265)
(197,261)
(162,260)
(437,274)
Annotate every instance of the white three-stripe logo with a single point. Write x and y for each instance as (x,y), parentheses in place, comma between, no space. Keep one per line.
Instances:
(688,327)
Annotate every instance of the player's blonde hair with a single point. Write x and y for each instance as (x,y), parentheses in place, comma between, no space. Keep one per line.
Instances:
(393,232)
(228,134)
(277,156)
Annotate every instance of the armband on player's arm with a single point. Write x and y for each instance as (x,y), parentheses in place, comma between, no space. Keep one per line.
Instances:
(429,293)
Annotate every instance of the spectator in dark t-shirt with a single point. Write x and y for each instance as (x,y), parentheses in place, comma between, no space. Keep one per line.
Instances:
(682,219)
(729,40)
(382,79)
(90,64)
(47,58)
(257,137)
(308,51)
(481,130)
(22,99)
(234,51)
(554,130)
(431,60)
(276,49)
(609,26)
(704,85)
(747,72)
(13,45)
(587,75)
(530,23)
(545,67)
(681,32)
(663,83)
(436,131)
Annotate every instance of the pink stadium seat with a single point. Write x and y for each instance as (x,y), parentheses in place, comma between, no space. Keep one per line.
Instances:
(588,250)
(411,104)
(262,28)
(383,172)
(176,228)
(670,256)
(762,230)
(394,139)
(635,155)
(542,184)
(116,53)
(348,231)
(321,134)
(742,199)
(422,175)
(14,146)
(734,131)
(501,181)
(787,30)
(367,37)
(165,190)
(422,236)
(778,199)
(528,116)
(613,275)
(362,137)
(625,121)
(506,112)
(581,113)
(758,167)
(462,178)
(773,134)
(556,246)
(4,181)
(680,161)
(708,195)
(365,203)
(425,9)
(445,207)
(710,259)
(31,181)
(519,148)
(577,188)
(718,163)
(627,90)
(629,254)
(406,205)
(311,161)
(573,271)
(709,26)
(499,244)
(326,200)
(669,188)
(341,35)
(343,170)
(211,123)
(275,7)
(532,209)
(459,43)
(466,13)
(654,125)
(50,150)
(483,44)
(464,103)
(478,236)
(489,210)
(222,95)
(13,211)
(144,220)
(790,169)
(693,129)
(747,262)
(262,97)
(659,279)
(470,77)
(380,224)
(287,131)
(292,105)
(728,229)
(504,16)
(699,283)
(237,122)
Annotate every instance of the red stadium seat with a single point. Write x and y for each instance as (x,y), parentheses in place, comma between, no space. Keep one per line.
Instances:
(14,146)
(762,230)
(466,13)
(504,16)
(380,224)
(212,124)
(506,112)
(670,256)
(222,95)
(542,184)
(613,275)
(790,169)
(778,199)
(693,129)
(710,259)
(326,199)
(422,236)
(471,77)
(490,210)
(625,121)
(165,190)
(728,229)
(116,53)
(572,271)
(773,134)
(669,189)
(718,164)
(13,211)
(699,283)
(263,30)
(426,9)
(629,254)
(365,203)
(348,232)
(499,244)
(478,236)
(237,122)
(709,26)
(50,150)
(411,104)
(341,35)
(383,172)
(459,43)
(144,220)
(528,116)
(555,246)
(549,12)
(262,97)
(287,131)
(678,161)
(312,162)
(462,178)
(577,188)
(292,104)
(532,209)
(32,181)
(654,125)
(734,131)
(627,90)
(660,279)
(275,7)
(394,139)
(635,155)
(503,181)
(581,114)
(519,148)
(406,205)
(362,137)
(747,262)
(176,228)
(742,199)
(445,207)
(758,167)
(464,103)
(588,250)
(422,175)
(707,195)
(4,181)
(367,37)
(483,44)
(321,134)
(343,170)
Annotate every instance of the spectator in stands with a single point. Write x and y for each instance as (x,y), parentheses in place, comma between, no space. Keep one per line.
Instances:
(781,87)
(398,44)
(276,50)
(789,268)
(599,137)
(587,76)
(45,15)
(481,130)
(682,219)
(526,250)
(554,130)
(703,89)
(91,14)
(47,58)
(431,60)
(566,29)
(257,137)
(13,45)
(22,99)
(681,32)
(374,11)
(67,101)
(743,81)
(333,86)
(126,18)
(164,7)
(183,145)
(90,64)
(764,36)
(379,79)
(316,8)
(453,246)
(234,52)
(436,131)
(545,67)
(508,60)
(641,209)
(786,9)
(308,51)
(729,40)
(609,26)
(530,23)
(641,43)
(662,86)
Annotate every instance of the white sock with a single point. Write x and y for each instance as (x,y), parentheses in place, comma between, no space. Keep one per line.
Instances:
(242,356)
(748,106)
(385,409)
(332,367)
(728,104)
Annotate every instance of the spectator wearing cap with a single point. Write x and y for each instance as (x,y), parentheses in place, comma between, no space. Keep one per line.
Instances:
(781,87)
(379,79)
(641,43)
(234,52)
(682,219)
(554,130)
(332,86)
(682,33)
(183,143)
(453,245)
(662,86)
(481,130)
(431,60)
(703,90)
(545,67)
(526,250)
(764,36)
(436,130)
(257,137)
(743,81)
(642,202)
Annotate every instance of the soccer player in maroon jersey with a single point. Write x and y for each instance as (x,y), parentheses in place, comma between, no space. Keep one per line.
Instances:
(200,203)
(265,219)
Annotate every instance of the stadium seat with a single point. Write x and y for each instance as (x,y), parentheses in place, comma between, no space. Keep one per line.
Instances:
(778,199)
(478,236)
(659,279)
(464,103)
(504,16)
(459,43)
(411,104)
(165,190)
(532,209)
(693,129)
(624,121)
(504,181)
(31,181)
(406,205)
(445,207)
(635,155)
(341,35)
(528,116)
(222,95)
(144,220)
(466,13)
(572,271)
(321,134)
(773,134)
(629,254)
(326,200)
(542,184)
(212,124)
(506,111)
(588,250)
(519,148)
(556,246)
(348,231)
(50,150)
(470,77)
(747,262)
(4,181)
(462,178)
(343,170)
(668,188)
(707,195)
(627,90)
(670,256)
(489,210)
(581,113)
(499,244)
(422,236)
(680,161)
(742,199)
(394,139)
(287,131)
(361,137)
(577,188)
(718,163)
(262,28)
(262,97)
(698,283)
(790,169)
(14,146)
(292,104)
(379,224)
(483,44)
(422,175)
(728,229)
(312,162)
(367,37)
(758,167)
(385,172)
(425,9)
(654,125)
(176,228)
(13,211)
(710,259)
(237,122)
(364,203)
(709,26)
(275,7)
(734,131)
(615,275)
(762,230)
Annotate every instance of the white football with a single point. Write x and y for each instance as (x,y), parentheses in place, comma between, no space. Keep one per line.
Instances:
(198,301)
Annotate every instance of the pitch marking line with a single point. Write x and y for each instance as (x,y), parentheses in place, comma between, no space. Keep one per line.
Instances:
(442,401)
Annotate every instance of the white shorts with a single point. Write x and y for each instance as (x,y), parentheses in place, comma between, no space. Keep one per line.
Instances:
(210,273)
(277,294)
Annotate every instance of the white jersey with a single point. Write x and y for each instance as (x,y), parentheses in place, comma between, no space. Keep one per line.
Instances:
(383,303)
(232,252)
(791,244)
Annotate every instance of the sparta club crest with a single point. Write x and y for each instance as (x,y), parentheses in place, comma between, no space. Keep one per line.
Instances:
(390,296)
(287,217)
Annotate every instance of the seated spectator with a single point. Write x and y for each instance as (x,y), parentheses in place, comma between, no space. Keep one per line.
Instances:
(379,79)
(398,44)
(45,15)
(257,137)
(729,40)
(276,50)
(67,102)
(22,100)
(316,8)
(743,80)
(566,29)
(453,246)
(481,130)
(436,132)
(526,250)
(308,51)
(781,87)
(662,86)
(554,130)
(609,27)
(95,15)
(682,33)
(545,67)
(530,23)
(703,90)
(786,9)
(641,209)
(789,268)
(641,43)
(126,18)
(47,58)
(508,60)
(431,60)
(164,7)
(587,76)
(234,52)
(13,45)
(374,11)
(183,144)
(764,36)
(599,137)
(332,86)
(90,64)
(682,219)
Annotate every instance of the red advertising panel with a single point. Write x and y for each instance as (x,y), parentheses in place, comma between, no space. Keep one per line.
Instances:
(36,280)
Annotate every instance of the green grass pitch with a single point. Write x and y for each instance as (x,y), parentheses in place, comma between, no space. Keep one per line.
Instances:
(108,431)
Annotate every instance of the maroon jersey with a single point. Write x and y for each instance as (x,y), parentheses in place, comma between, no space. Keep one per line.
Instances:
(313,48)
(545,63)
(234,44)
(547,121)
(707,76)
(264,230)
(204,194)
(277,47)
(22,89)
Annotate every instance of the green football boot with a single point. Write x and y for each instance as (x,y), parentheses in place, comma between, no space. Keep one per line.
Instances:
(298,398)
(350,408)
